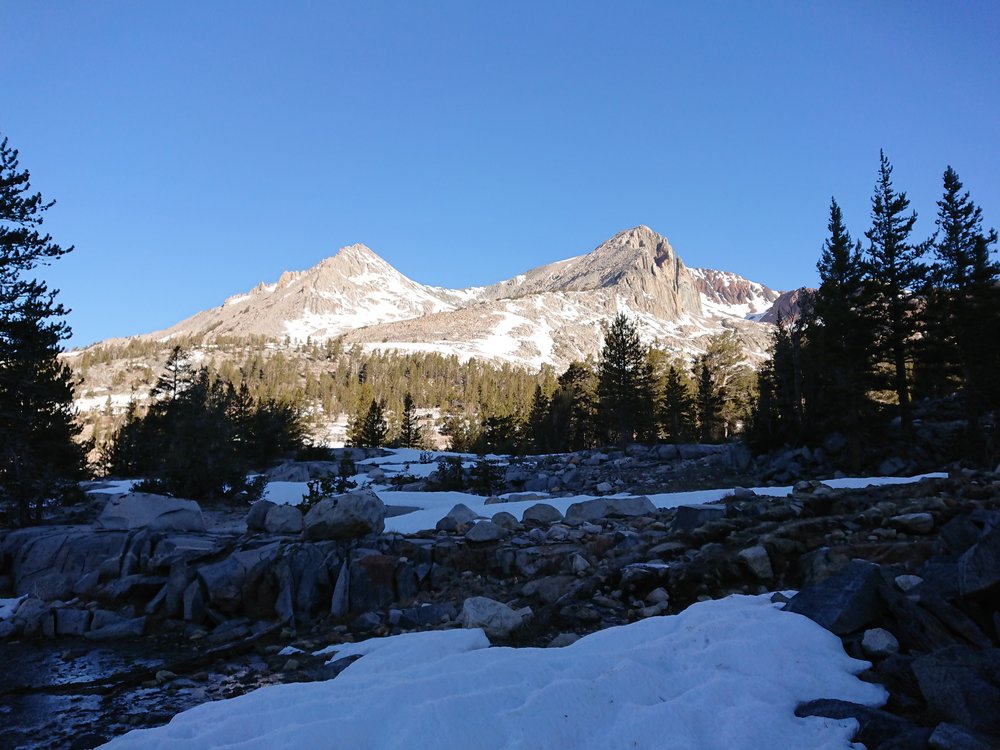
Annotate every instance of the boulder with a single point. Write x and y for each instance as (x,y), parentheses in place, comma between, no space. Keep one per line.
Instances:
(257,514)
(283,519)
(690,517)
(757,562)
(959,685)
(136,510)
(541,513)
(913,523)
(979,566)
(355,514)
(495,618)
(951,737)
(879,642)
(505,520)
(588,510)
(460,515)
(486,531)
(72,621)
(630,507)
(846,601)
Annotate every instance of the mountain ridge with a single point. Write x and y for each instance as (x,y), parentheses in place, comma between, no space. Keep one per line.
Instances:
(551,314)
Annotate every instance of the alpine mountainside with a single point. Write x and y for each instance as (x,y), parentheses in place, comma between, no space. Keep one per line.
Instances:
(549,315)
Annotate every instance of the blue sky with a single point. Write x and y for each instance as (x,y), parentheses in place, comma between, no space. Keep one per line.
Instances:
(196,148)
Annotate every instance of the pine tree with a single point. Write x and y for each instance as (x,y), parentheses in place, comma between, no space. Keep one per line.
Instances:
(39,452)
(710,423)
(409,428)
(895,274)
(537,429)
(965,306)
(573,410)
(677,415)
(837,367)
(176,378)
(371,429)
(625,383)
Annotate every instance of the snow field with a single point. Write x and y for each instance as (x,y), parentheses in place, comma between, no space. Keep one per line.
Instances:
(722,675)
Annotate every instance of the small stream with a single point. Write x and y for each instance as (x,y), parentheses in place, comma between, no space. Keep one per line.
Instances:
(87,718)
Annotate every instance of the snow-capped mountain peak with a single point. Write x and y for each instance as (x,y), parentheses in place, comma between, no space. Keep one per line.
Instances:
(550,314)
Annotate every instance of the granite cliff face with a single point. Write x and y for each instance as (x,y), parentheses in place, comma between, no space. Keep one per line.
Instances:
(551,314)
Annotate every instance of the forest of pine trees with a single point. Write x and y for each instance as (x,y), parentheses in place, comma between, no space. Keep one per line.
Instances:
(892,324)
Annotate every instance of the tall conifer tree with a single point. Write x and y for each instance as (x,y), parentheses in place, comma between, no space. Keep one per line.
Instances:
(39,454)
(895,274)
(966,298)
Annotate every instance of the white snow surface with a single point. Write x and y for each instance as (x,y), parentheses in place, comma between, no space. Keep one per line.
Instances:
(434,505)
(723,675)
(9,606)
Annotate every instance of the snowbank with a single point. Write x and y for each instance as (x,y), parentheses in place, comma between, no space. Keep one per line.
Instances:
(725,674)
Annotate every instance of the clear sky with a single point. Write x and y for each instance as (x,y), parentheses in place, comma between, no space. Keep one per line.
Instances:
(196,148)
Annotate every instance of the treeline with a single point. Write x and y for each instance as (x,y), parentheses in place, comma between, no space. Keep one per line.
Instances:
(895,324)
(201,435)
(632,393)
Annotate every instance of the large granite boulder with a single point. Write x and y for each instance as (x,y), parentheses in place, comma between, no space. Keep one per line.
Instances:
(355,514)
(495,618)
(136,510)
(283,519)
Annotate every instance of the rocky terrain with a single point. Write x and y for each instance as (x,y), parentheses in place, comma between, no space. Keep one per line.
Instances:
(907,576)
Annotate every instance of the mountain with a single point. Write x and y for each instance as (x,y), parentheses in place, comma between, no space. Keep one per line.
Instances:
(548,315)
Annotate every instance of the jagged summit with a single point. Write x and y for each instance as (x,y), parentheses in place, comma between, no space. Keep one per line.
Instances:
(549,314)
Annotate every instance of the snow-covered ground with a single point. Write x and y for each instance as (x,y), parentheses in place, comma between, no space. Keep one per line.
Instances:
(723,674)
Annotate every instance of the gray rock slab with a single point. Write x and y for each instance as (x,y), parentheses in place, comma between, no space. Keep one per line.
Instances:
(136,510)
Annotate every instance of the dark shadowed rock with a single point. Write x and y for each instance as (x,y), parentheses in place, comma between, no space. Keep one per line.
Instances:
(460,515)
(951,737)
(126,629)
(876,728)
(257,513)
(962,685)
(283,519)
(846,601)
(689,517)
(979,567)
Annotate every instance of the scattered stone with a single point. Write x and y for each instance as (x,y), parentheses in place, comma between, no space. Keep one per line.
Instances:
(908,582)
(658,595)
(879,642)
(604,487)
(757,562)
